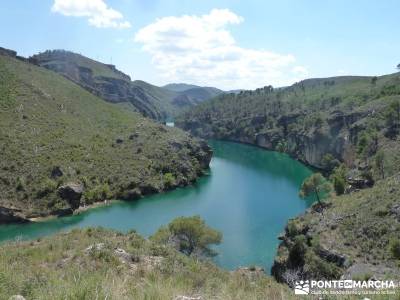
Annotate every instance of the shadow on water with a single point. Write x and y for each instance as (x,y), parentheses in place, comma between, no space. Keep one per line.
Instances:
(249,195)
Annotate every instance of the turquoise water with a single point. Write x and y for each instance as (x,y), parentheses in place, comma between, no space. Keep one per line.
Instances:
(248,195)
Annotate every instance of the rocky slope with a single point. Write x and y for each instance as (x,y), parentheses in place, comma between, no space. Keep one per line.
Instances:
(62,147)
(352,239)
(112,85)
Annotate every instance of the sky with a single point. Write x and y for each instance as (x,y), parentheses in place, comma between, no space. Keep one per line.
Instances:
(233,44)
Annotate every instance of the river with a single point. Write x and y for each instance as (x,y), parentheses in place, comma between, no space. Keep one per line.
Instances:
(249,195)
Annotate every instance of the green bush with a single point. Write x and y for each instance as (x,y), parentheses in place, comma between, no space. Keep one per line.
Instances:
(169,180)
(47,187)
(394,247)
(298,251)
(190,235)
(98,193)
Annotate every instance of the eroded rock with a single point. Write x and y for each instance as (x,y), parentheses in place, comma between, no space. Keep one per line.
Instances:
(72,193)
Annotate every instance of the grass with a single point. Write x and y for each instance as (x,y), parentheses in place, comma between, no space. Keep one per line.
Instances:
(61,267)
(48,122)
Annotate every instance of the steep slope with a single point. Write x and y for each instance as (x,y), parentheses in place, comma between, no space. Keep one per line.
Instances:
(353,239)
(62,147)
(109,83)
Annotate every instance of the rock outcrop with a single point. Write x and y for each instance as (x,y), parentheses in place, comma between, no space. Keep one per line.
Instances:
(9,215)
(72,193)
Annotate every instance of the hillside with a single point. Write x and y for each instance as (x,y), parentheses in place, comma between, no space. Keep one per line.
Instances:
(107,82)
(98,263)
(179,87)
(353,239)
(348,128)
(342,116)
(195,94)
(62,147)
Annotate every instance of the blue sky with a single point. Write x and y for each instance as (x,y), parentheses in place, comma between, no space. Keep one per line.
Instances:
(228,44)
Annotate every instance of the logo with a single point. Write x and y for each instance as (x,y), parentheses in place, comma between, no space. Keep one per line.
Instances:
(302,287)
(345,287)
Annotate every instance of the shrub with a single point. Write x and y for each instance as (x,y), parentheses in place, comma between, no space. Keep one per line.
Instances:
(298,251)
(329,162)
(47,187)
(98,193)
(394,247)
(169,180)
(189,235)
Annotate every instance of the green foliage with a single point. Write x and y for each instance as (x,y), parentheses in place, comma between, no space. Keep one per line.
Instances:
(338,178)
(99,192)
(329,162)
(379,163)
(169,180)
(320,268)
(47,187)
(298,251)
(281,146)
(316,185)
(394,247)
(191,234)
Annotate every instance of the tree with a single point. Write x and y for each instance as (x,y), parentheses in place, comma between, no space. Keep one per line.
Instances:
(380,163)
(316,185)
(189,235)
(338,179)
(329,162)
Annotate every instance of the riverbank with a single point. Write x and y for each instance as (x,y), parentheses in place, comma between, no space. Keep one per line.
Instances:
(250,215)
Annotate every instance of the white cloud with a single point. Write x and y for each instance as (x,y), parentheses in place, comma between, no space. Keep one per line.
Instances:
(97,12)
(200,49)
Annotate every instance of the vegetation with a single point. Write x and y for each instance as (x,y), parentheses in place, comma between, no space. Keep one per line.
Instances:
(190,235)
(338,179)
(96,263)
(54,133)
(322,122)
(315,185)
(358,234)
(348,128)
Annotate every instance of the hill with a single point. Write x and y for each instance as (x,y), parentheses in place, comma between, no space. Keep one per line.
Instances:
(98,263)
(193,93)
(62,147)
(349,129)
(109,83)
(179,87)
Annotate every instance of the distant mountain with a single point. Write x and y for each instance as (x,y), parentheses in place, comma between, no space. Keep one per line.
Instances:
(193,94)
(107,82)
(179,87)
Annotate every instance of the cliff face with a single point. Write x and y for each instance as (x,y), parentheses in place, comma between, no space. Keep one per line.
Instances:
(102,80)
(337,137)
(62,147)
